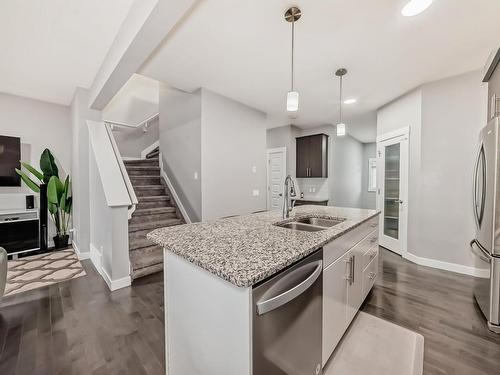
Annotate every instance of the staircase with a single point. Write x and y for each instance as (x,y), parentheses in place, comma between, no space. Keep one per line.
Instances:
(155,210)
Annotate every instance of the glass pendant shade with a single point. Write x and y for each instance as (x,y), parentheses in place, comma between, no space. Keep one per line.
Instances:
(340,130)
(292,101)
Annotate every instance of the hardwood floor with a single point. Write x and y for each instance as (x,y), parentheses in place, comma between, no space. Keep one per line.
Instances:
(79,327)
(439,305)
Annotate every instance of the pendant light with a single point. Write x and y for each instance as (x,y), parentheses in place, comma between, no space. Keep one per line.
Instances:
(292,97)
(341,126)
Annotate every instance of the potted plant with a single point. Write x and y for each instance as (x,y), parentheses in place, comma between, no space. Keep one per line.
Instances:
(51,189)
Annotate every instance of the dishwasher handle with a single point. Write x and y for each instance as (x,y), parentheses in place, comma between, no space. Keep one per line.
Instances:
(273,303)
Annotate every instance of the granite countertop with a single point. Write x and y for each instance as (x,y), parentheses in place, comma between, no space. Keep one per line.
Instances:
(247,249)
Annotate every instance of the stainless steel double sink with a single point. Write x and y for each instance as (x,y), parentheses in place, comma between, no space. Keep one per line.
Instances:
(310,224)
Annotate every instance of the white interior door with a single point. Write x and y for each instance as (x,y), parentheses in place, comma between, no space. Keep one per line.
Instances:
(276,172)
(392,156)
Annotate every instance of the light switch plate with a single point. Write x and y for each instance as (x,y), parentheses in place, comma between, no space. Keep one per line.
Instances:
(195,175)
(255,192)
(254,169)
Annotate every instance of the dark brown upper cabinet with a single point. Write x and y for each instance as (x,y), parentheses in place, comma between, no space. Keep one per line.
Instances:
(312,156)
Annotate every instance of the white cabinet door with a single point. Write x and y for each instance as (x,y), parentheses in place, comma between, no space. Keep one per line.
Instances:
(355,282)
(334,304)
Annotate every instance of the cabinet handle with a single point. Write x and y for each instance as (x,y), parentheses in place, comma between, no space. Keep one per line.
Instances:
(353,268)
(349,275)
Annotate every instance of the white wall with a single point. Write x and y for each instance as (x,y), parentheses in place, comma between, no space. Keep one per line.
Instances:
(40,125)
(180,145)
(80,113)
(131,142)
(444,118)
(233,143)
(453,113)
(348,172)
(219,140)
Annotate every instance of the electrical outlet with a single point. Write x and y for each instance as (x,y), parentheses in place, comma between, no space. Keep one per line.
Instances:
(254,169)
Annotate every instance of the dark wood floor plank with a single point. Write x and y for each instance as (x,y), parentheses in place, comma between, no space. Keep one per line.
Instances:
(439,305)
(80,327)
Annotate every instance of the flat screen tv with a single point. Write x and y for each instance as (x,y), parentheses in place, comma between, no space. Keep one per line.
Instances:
(10,156)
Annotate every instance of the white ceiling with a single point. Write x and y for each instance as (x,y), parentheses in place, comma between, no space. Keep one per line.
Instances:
(49,47)
(241,49)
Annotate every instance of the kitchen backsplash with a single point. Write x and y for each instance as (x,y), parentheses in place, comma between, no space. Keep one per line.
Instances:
(316,188)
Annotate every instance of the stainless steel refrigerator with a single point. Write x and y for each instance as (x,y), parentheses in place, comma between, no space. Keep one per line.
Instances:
(486,209)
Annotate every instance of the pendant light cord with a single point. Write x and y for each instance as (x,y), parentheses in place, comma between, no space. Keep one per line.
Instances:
(293,46)
(340,99)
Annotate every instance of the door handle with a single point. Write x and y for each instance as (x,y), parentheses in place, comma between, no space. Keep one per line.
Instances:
(285,297)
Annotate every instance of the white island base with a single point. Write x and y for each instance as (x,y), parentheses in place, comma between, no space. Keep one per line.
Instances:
(208,320)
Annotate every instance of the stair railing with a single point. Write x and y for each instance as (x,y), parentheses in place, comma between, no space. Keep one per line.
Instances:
(126,179)
(144,124)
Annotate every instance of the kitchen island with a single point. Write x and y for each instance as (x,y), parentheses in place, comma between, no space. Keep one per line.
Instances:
(213,268)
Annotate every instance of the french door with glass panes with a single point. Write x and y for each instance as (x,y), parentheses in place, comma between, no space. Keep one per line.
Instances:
(392,192)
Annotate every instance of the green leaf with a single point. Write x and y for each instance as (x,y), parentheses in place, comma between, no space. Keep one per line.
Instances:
(52,208)
(69,205)
(48,165)
(32,170)
(62,202)
(28,181)
(54,190)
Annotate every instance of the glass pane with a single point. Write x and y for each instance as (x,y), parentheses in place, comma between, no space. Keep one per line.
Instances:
(391,191)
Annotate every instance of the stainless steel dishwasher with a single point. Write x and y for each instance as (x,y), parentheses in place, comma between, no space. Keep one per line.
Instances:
(287,320)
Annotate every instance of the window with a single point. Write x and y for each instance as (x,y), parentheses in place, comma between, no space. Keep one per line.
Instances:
(372,174)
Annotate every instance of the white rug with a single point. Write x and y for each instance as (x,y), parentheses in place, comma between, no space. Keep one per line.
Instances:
(37,271)
(376,347)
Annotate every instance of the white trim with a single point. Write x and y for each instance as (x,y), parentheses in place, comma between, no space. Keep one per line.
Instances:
(393,134)
(453,267)
(80,255)
(270,151)
(150,148)
(116,284)
(96,257)
(178,202)
(399,246)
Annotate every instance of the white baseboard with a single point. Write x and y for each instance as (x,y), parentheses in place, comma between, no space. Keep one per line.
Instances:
(453,267)
(116,284)
(174,193)
(79,254)
(96,258)
(150,148)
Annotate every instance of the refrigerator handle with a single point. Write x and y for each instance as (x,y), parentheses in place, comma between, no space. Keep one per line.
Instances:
(480,253)
(478,216)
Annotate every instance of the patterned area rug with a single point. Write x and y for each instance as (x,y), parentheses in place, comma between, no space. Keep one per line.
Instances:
(42,270)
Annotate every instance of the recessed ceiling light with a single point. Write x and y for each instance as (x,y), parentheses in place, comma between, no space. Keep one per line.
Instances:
(350,101)
(415,7)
